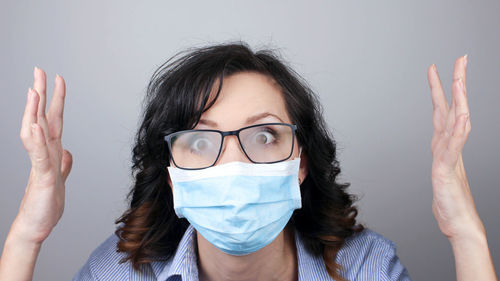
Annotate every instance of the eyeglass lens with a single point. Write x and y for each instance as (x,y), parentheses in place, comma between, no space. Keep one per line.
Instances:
(199,149)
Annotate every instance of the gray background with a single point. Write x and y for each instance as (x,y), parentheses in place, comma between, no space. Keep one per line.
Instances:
(366,59)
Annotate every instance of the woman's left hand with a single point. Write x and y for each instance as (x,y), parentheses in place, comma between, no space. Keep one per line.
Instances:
(452,205)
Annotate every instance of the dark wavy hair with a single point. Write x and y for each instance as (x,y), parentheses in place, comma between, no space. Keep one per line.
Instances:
(177,95)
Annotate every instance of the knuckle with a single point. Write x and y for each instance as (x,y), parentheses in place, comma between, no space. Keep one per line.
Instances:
(39,159)
(24,136)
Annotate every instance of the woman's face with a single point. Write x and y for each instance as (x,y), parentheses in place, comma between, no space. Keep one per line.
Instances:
(246,98)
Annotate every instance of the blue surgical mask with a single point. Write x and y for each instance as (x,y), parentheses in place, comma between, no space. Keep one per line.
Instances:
(238,207)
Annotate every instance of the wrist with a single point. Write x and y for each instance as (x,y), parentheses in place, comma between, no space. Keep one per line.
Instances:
(16,241)
(18,257)
(468,229)
(472,256)
(21,235)
(469,238)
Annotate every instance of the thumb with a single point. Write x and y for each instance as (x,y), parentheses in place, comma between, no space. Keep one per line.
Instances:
(66,164)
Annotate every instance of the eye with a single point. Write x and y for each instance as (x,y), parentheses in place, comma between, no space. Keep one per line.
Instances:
(201,144)
(264,137)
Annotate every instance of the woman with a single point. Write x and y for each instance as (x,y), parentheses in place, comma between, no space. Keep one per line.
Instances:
(235,179)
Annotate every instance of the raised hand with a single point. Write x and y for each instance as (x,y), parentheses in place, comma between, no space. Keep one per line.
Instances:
(43,202)
(453,205)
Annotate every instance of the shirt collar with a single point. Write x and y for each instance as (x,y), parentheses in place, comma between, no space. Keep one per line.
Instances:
(184,262)
(310,267)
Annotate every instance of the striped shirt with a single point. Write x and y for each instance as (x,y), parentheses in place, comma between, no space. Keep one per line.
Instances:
(364,256)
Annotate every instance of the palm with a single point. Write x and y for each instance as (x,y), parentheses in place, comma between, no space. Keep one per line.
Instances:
(43,202)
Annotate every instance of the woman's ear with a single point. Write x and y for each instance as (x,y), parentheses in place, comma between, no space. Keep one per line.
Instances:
(303,167)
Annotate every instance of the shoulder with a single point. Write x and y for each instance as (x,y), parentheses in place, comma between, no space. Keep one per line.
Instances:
(103,263)
(368,241)
(368,254)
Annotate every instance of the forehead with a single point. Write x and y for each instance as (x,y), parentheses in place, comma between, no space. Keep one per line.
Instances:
(245,97)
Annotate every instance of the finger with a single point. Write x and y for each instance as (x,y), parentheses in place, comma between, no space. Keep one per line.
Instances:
(458,73)
(439,103)
(459,96)
(461,104)
(40,154)
(450,121)
(466,60)
(67,163)
(56,109)
(459,68)
(42,119)
(457,141)
(39,84)
(459,90)
(30,116)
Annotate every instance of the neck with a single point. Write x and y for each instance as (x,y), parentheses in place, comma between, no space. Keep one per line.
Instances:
(276,261)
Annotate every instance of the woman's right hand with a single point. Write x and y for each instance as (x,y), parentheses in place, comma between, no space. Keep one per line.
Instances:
(43,202)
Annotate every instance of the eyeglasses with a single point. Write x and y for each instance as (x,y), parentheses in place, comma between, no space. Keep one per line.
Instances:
(261,143)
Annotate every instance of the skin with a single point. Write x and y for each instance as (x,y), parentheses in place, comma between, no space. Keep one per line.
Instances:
(43,202)
(453,205)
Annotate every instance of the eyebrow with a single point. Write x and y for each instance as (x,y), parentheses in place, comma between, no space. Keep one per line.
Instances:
(249,120)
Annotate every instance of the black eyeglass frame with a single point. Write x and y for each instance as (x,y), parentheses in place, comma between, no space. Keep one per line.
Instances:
(169,137)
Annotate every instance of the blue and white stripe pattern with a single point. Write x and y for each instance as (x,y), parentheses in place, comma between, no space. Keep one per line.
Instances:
(364,256)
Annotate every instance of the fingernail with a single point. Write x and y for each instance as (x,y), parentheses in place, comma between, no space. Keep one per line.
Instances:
(465,60)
